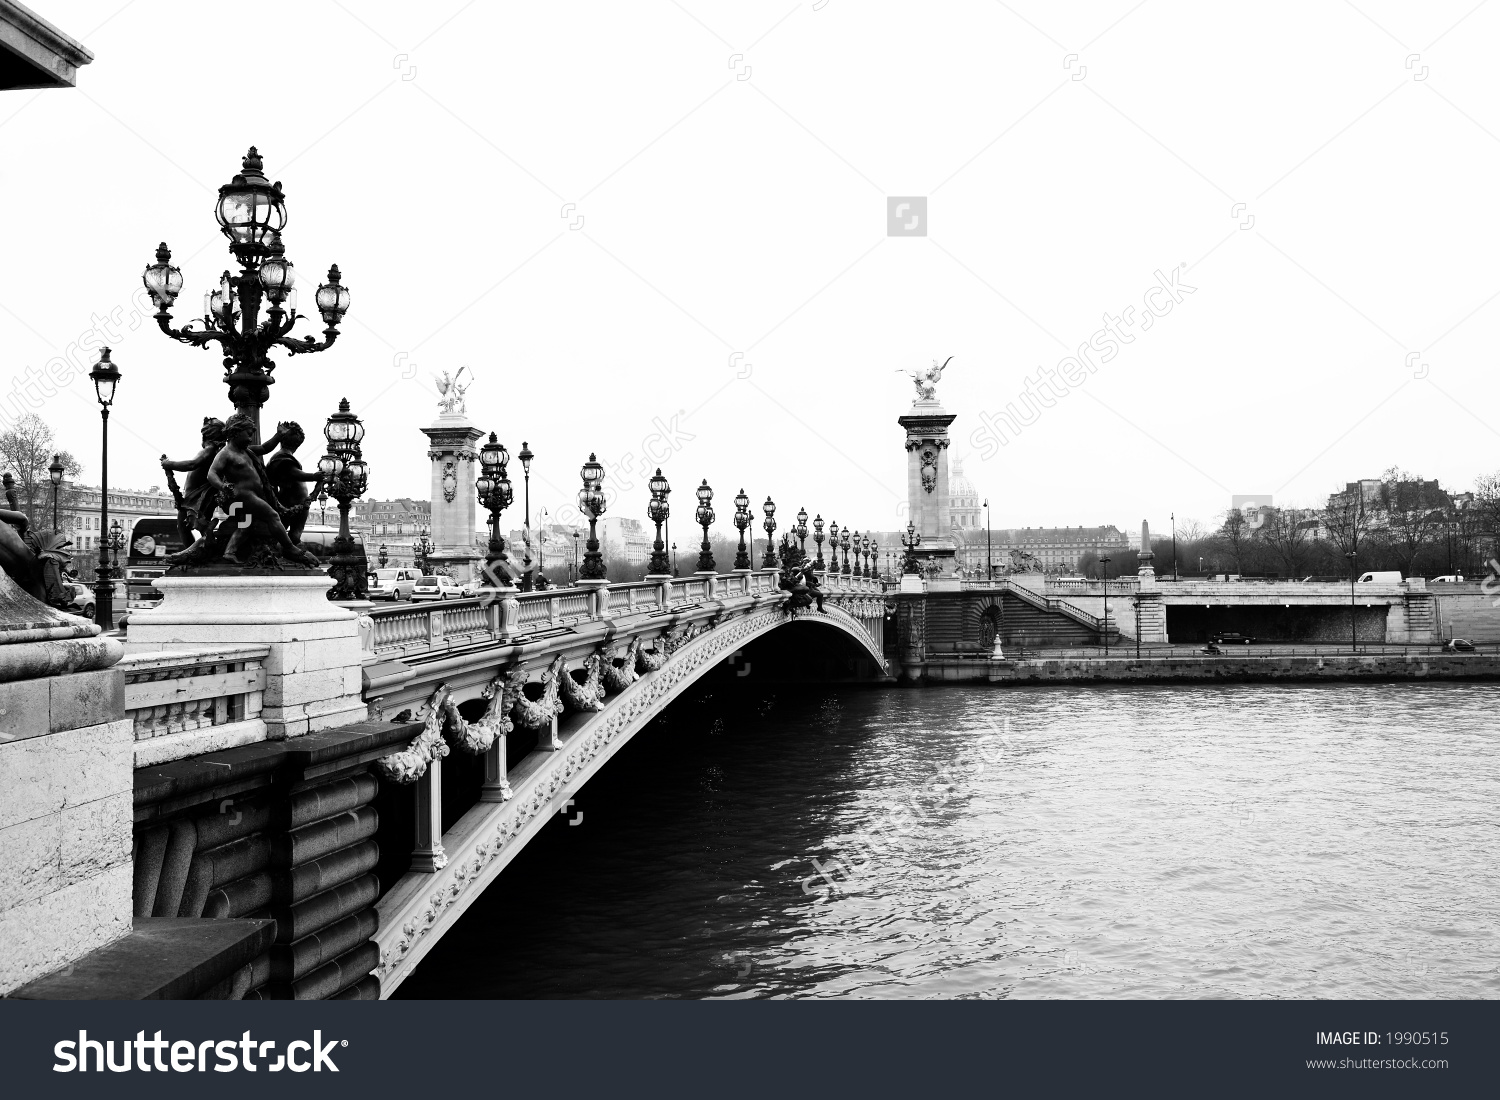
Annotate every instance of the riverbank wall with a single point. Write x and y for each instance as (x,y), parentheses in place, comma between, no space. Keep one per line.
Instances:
(1226,669)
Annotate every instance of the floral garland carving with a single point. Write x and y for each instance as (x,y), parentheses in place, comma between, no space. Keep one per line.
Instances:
(587,696)
(538,715)
(650,660)
(620,672)
(410,764)
(475,738)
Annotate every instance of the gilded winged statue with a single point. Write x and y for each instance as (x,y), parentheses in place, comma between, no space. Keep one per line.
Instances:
(926,379)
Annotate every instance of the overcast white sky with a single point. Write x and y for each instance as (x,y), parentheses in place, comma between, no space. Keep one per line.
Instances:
(725,259)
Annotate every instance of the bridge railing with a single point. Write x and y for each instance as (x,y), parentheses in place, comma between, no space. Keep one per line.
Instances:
(190,701)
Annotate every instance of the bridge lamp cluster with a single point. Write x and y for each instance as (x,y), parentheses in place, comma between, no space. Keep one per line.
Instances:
(769,508)
(495,493)
(705,516)
(911,540)
(344,475)
(658,512)
(742,520)
(251,213)
(591,502)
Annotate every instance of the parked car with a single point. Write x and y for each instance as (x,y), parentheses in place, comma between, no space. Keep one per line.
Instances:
(436,587)
(1229,637)
(83,600)
(392,584)
(1383,576)
(1458,645)
(1448,578)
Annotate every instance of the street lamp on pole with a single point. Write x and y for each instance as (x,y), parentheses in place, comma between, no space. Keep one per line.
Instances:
(116,543)
(526,456)
(989,554)
(833,547)
(495,494)
(769,508)
(845,540)
(384,555)
(910,540)
(346,475)
(1104,628)
(1174,548)
(742,520)
(55,472)
(800,530)
(658,511)
(1353,630)
(818,563)
(105,376)
(705,516)
(591,502)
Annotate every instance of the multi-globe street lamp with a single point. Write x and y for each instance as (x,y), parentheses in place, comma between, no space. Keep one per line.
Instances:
(818,562)
(251,212)
(421,547)
(769,508)
(833,547)
(116,544)
(801,532)
(742,520)
(105,376)
(658,511)
(705,516)
(910,540)
(874,559)
(526,456)
(494,492)
(55,473)
(345,476)
(384,555)
(845,541)
(591,503)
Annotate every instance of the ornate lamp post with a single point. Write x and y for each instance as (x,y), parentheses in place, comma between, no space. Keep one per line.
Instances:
(833,547)
(800,530)
(495,495)
(869,570)
(674,559)
(574,578)
(346,476)
(769,508)
(1104,567)
(251,212)
(384,555)
(55,472)
(911,540)
(526,456)
(705,516)
(116,543)
(742,520)
(874,559)
(105,376)
(845,537)
(658,511)
(592,504)
(1353,626)
(420,548)
(818,562)
(989,557)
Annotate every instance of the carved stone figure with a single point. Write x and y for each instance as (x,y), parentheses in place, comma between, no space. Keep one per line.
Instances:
(450,393)
(195,505)
(926,379)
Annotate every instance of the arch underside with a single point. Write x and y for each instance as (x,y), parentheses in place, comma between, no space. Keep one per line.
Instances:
(421,906)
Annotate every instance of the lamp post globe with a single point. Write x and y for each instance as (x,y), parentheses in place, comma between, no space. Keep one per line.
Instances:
(526,456)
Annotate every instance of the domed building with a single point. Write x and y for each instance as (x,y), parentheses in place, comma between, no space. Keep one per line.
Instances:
(966,519)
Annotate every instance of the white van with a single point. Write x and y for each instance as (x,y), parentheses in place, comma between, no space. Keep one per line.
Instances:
(1388,576)
(393,584)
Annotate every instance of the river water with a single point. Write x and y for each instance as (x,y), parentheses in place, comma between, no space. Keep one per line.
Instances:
(1329,840)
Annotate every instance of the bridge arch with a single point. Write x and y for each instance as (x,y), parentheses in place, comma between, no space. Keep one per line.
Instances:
(423,904)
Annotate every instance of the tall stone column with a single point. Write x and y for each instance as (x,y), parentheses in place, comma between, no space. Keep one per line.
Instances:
(927,442)
(451,438)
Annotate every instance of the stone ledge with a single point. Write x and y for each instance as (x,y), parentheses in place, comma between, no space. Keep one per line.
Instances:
(162,958)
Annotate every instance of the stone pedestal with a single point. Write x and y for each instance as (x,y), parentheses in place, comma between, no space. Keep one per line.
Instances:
(65,789)
(927,443)
(451,438)
(313,668)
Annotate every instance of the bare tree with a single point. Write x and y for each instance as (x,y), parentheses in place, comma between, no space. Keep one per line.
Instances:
(1286,532)
(27,449)
(1347,522)
(1413,510)
(1235,532)
(1485,515)
(1191,530)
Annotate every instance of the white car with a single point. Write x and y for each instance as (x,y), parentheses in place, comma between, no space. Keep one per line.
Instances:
(436,587)
(392,584)
(1451,578)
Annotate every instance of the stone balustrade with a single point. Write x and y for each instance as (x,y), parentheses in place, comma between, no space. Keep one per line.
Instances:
(197,699)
